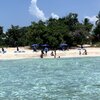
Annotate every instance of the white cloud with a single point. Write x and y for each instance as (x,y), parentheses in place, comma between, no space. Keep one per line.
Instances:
(53,15)
(92,19)
(35,11)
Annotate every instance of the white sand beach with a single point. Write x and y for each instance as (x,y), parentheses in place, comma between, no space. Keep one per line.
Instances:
(11,53)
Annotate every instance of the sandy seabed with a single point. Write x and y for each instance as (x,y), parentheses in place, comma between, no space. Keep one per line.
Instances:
(11,53)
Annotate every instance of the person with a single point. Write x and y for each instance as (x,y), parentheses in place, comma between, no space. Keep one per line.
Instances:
(79,52)
(41,56)
(85,52)
(42,53)
(46,50)
(52,54)
(58,56)
(17,48)
(81,46)
(34,48)
(3,50)
(55,53)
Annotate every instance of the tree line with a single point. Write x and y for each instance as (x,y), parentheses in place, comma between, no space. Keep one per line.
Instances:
(53,32)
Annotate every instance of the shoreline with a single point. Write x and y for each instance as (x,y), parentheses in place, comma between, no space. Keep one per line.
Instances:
(27,53)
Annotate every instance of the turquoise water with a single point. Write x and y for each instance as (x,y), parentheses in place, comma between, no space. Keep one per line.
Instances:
(50,79)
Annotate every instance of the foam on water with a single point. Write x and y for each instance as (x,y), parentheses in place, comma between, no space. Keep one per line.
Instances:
(50,79)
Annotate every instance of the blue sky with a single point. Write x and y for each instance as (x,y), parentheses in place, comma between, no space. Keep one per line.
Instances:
(23,12)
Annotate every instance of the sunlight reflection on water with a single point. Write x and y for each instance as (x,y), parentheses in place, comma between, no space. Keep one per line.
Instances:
(50,79)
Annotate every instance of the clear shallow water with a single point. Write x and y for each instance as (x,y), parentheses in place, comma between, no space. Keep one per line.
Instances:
(50,79)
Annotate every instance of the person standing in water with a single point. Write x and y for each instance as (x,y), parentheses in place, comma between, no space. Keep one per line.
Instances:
(42,52)
(55,53)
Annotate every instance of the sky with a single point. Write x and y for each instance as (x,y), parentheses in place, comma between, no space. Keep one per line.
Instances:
(23,12)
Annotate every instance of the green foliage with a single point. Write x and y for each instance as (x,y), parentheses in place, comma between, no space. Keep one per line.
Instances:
(53,32)
(96,30)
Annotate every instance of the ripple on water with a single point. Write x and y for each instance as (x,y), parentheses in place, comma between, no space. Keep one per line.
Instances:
(50,79)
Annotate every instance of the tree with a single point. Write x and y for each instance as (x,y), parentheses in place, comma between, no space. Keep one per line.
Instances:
(53,32)
(71,20)
(96,31)
(2,37)
(13,36)
(87,25)
(98,19)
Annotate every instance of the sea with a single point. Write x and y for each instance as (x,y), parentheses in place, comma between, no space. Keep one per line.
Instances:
(50,79)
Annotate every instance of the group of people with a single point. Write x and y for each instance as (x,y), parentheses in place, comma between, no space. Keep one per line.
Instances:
(44,52)
(4,51)
(82,52)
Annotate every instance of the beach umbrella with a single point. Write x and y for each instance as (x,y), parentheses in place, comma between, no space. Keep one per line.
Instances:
(63,45)
(45,45)
(34,45)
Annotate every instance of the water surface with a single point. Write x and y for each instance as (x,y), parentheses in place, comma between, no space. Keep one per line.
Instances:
(50,79)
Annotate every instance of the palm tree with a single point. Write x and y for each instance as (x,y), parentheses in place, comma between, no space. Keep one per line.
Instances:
(98,19)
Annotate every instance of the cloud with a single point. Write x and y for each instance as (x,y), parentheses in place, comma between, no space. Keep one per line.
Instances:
(36,11)
(53,15)
(92,19)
